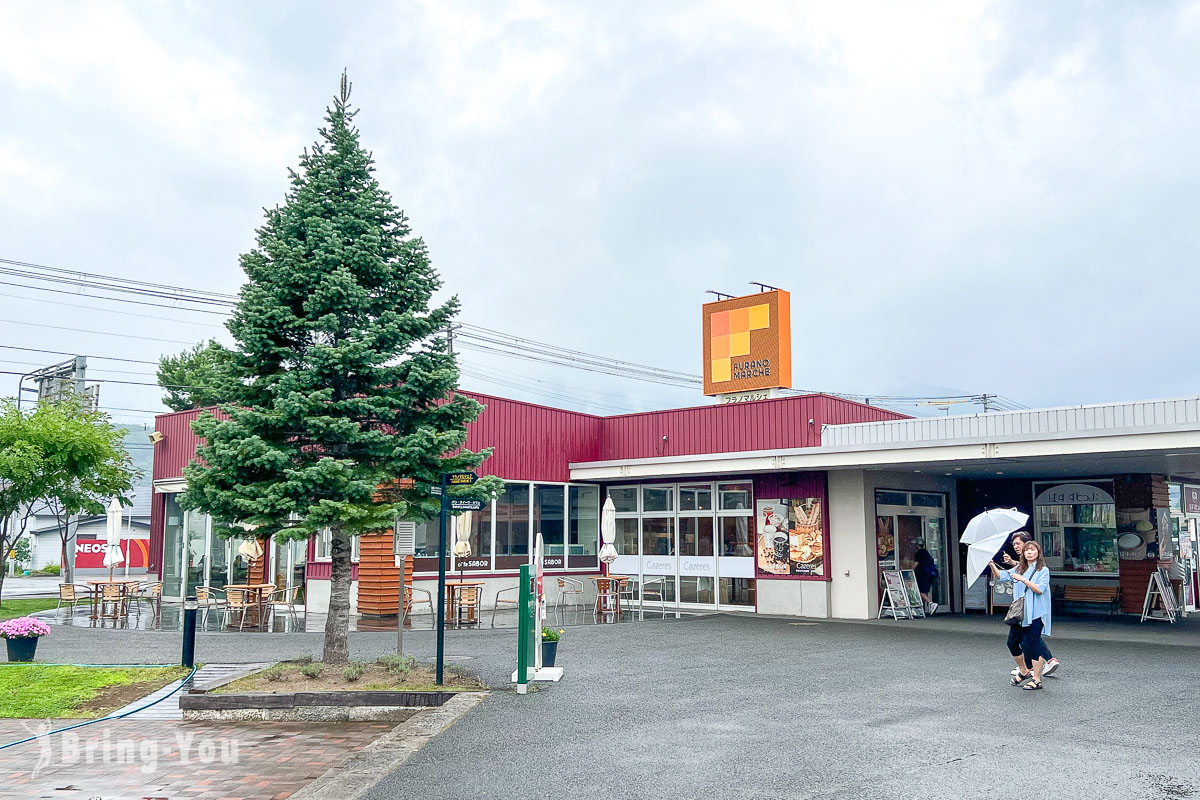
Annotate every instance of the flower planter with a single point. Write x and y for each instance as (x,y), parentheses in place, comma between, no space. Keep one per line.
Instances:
(21,649)
(549,651)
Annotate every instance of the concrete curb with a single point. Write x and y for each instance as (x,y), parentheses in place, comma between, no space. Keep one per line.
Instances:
(352,779)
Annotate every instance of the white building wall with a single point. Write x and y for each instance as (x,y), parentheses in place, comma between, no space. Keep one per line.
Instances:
(853,592)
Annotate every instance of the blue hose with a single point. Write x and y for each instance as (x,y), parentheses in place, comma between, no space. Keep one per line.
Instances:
(101,719)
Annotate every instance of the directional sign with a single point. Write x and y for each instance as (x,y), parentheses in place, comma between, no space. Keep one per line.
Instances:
(465,504)
(461,478)
(406,483)
(436,491)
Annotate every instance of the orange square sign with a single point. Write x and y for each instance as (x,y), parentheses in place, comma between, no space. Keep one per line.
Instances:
(748,343)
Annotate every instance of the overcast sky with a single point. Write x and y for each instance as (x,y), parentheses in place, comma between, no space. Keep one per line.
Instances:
(962,197)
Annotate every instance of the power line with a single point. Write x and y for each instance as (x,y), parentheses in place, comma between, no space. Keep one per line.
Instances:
(68,353)
(113,310)
(96,333)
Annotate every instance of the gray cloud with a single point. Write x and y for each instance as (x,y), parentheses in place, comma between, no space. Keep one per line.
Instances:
(961,196)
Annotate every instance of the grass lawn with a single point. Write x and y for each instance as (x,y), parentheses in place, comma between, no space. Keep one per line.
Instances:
(22,607)
(39,691)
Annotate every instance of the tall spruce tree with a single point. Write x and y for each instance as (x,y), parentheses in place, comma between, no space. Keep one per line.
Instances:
(340,381)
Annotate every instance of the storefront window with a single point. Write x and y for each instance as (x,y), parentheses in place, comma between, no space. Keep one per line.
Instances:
(696,536)
(695,590)
(926,500)
(735,537)
(695,498)
(656,499)
(736,496)
(737,591)
(891,498)
(1076,525)
(583,535)
(658,537)
(627,536)
(512,521)
(172,566)
(548,507)
(625,499)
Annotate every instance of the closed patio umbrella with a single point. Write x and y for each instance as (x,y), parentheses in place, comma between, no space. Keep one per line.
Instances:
(112,553)
(608,531)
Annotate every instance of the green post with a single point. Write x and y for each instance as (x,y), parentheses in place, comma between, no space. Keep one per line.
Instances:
(524,631)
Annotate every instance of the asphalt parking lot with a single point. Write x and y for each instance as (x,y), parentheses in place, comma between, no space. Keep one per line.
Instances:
(750,707)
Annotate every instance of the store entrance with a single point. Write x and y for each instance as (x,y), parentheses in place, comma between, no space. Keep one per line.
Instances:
(910,531)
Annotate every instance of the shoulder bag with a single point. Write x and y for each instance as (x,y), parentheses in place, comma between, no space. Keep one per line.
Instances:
(1016,612)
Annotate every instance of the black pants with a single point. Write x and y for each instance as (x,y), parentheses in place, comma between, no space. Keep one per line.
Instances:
(1028,640)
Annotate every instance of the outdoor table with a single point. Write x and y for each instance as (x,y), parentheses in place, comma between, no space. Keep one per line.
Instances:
(255,593)
(95,589)
(454,591)
(606,592)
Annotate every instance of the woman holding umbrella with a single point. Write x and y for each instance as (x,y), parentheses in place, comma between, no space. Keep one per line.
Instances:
(1031,582)
(1018,544)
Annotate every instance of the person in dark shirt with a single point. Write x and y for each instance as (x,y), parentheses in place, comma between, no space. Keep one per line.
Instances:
(927,572)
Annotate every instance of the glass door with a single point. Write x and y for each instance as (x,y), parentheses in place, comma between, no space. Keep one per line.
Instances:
(910,531)
(195,551)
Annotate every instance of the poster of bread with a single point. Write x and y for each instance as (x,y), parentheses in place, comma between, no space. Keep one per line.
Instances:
(791,538)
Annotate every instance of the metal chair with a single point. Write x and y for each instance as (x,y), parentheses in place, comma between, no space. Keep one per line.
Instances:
(410,601)
(653,590)
(285,600)
(628,594)
(501,599)
(571,588)
(112,597)
(466,607)
(239,601)
(69,596)
(608,599)
(151,595)
(208,599)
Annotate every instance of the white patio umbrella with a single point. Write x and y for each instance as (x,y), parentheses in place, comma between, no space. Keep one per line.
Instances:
(985,534)
(112,552)
(608,531)
(251,548)
(462,534)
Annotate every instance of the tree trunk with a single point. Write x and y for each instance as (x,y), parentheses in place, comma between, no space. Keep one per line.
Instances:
(337,622)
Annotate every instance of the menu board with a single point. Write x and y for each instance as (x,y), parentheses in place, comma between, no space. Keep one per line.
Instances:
(898,595)
(910,586)
(791,539)
(1168,593)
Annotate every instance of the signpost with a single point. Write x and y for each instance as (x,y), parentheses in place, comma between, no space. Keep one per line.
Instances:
(448,504)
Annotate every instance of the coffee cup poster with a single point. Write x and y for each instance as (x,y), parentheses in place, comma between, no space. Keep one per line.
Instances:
(791,538)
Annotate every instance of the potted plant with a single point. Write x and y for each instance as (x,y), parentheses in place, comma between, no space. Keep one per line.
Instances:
(21,636)
(550,639)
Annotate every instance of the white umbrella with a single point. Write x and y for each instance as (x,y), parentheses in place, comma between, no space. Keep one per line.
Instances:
(112,553)
(251,548)
(980,554)
(985,534)
(608,531)
(462,535)
(993,522)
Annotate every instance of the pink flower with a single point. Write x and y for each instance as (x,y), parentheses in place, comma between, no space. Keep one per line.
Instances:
(23,628)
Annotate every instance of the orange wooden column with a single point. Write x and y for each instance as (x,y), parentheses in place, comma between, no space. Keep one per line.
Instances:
(379,577)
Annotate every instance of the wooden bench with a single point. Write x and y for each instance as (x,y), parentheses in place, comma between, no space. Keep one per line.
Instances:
(1108,596)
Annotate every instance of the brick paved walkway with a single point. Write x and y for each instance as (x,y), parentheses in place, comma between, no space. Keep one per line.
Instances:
(152,759)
